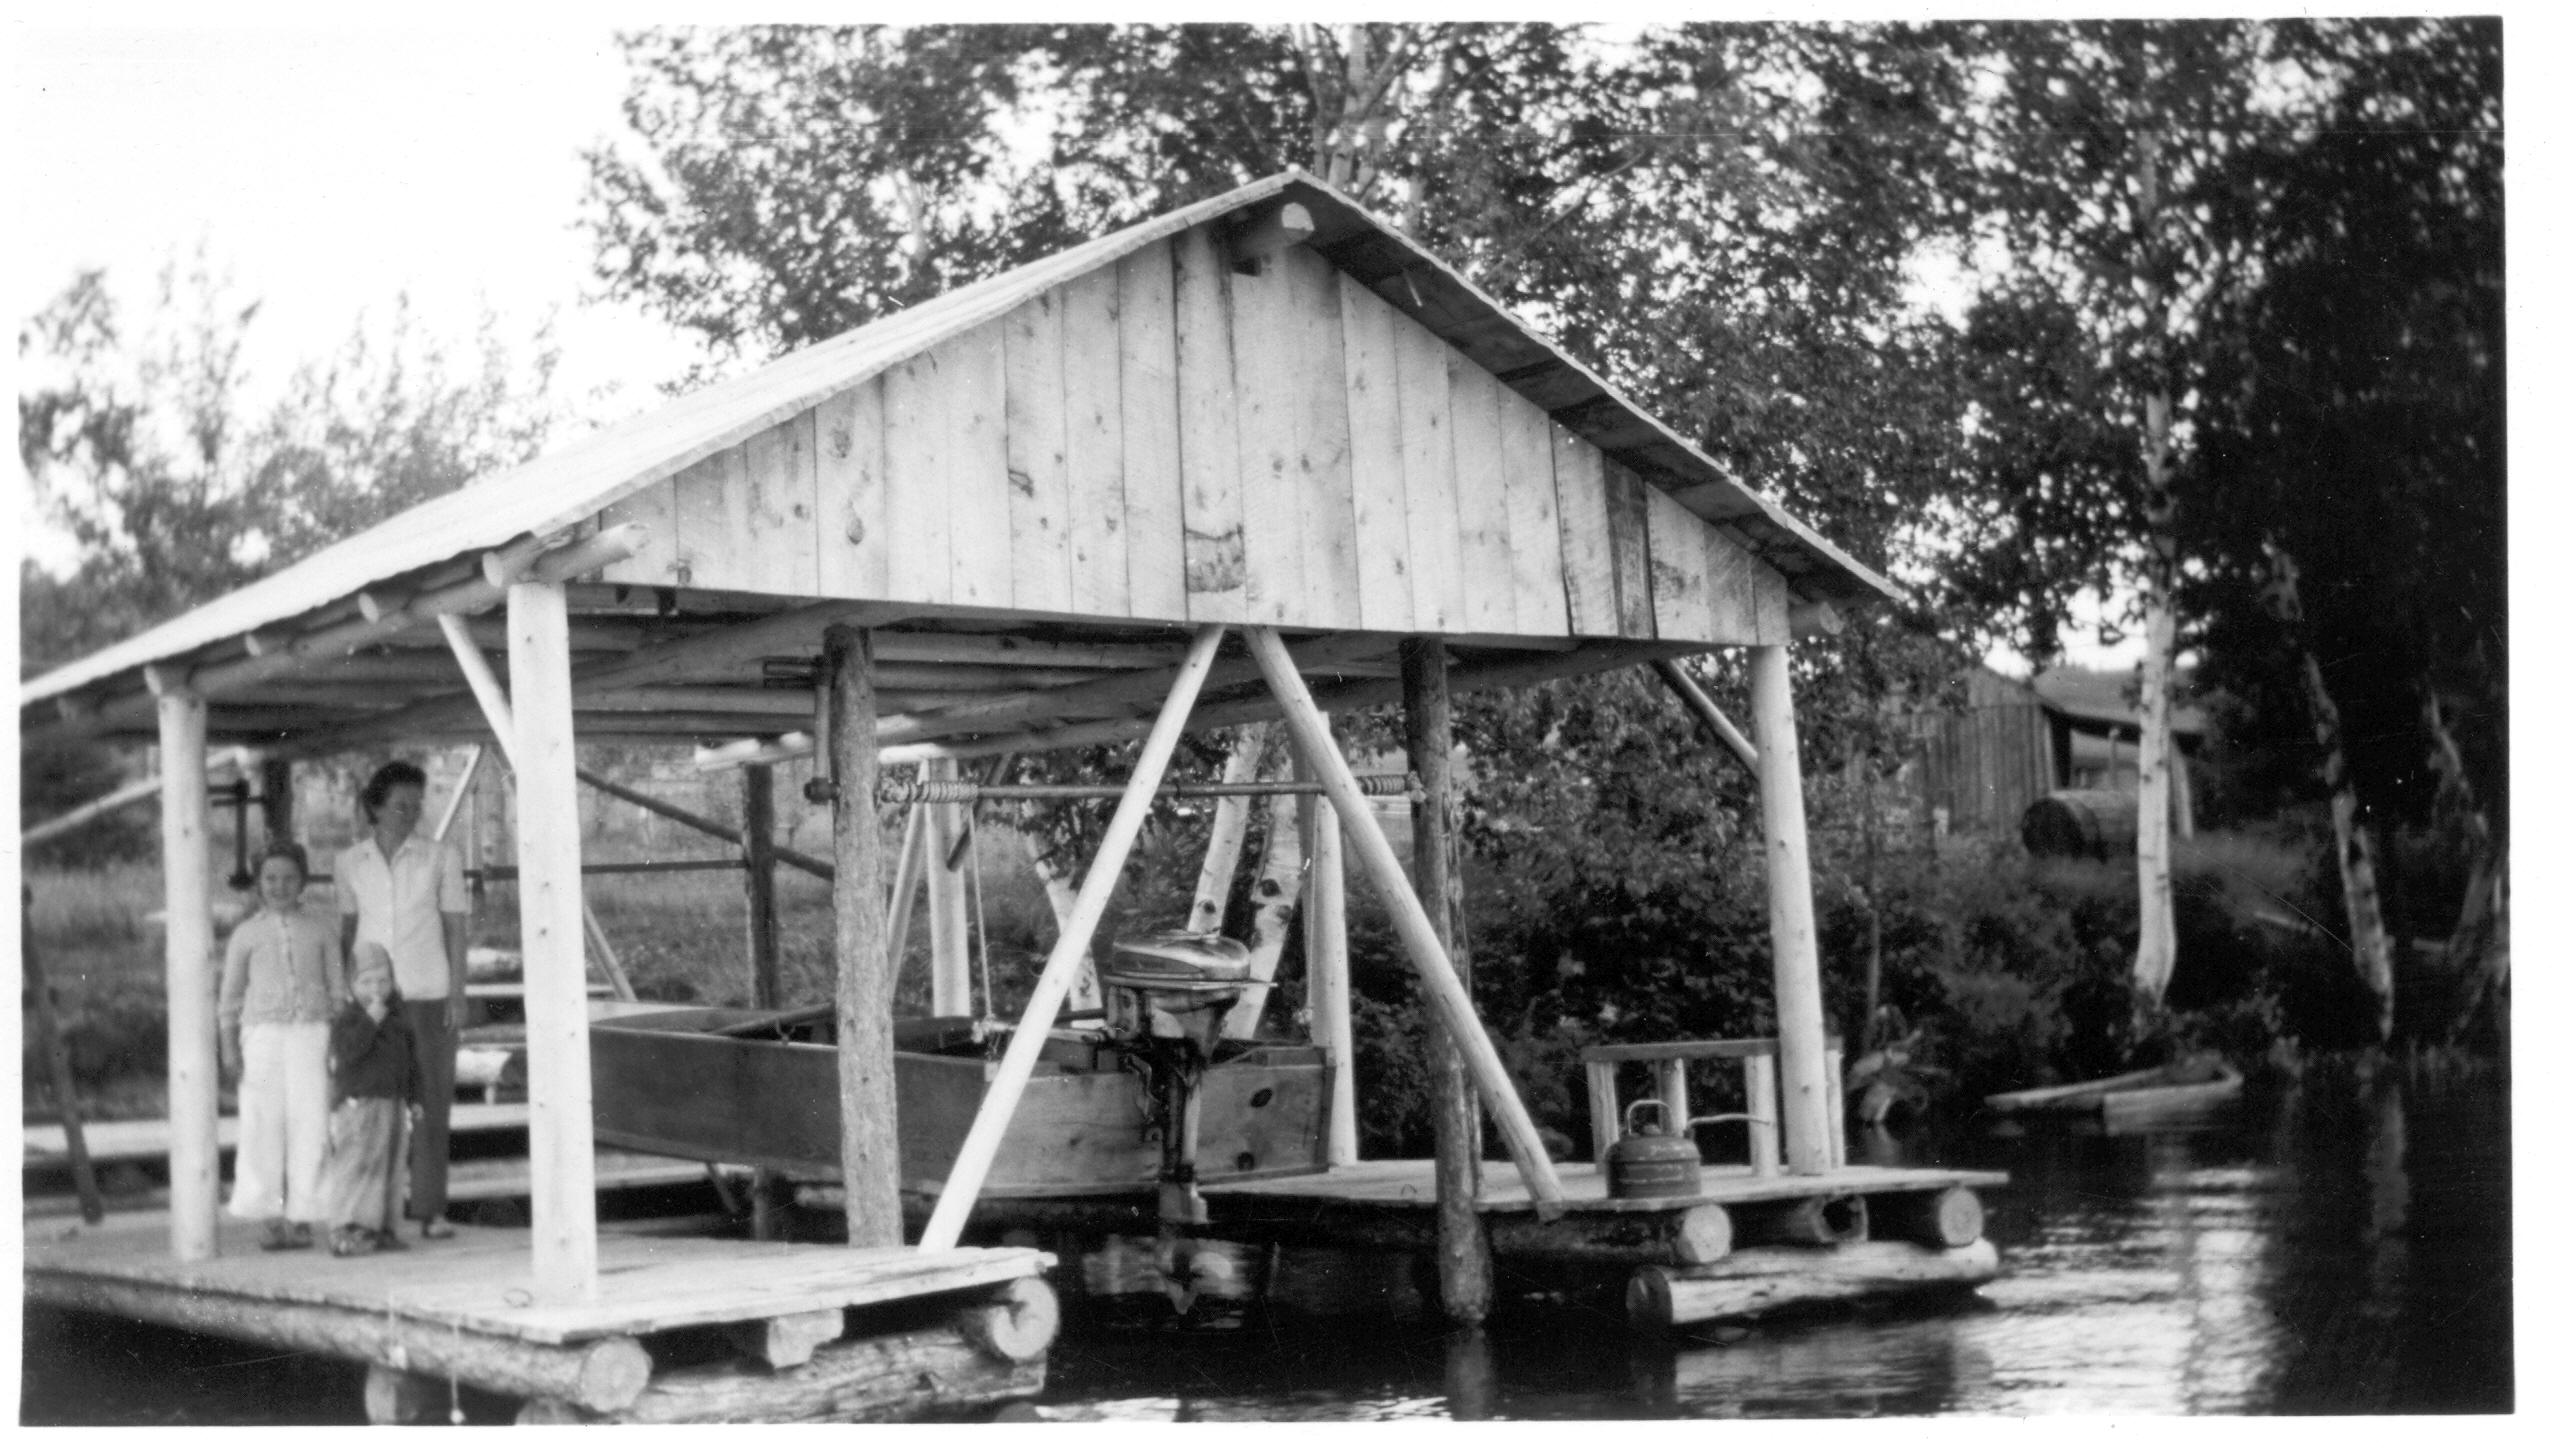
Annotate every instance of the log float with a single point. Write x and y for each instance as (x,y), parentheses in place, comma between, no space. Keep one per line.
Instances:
(1752,1281)
(990,1353)
(600,1375)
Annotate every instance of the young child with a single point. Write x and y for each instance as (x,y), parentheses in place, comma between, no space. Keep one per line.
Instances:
(368,1050)
(282,978)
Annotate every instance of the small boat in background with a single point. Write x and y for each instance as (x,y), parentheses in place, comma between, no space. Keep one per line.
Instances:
(2181,1094)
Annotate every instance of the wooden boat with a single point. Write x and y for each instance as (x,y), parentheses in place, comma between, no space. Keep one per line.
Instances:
(758,1088)
(2176,1095)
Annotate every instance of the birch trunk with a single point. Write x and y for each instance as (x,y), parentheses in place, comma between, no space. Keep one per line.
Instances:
(2156,947)
(2370,948)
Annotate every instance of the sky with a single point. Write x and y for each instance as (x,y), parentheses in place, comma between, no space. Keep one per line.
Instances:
(328,170)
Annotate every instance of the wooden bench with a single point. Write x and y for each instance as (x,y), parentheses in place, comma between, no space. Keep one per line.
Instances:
(1668,1059)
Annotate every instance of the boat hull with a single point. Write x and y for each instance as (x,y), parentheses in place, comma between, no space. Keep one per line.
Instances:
(667,1083)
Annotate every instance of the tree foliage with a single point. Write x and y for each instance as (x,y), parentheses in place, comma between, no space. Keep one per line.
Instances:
(147,446)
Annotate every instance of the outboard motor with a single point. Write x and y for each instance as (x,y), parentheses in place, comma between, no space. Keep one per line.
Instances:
(1189,980)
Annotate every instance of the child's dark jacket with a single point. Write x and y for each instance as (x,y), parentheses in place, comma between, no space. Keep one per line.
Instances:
(369,1059)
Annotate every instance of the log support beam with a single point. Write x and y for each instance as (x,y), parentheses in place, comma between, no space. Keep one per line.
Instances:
(1326,988)
(194,1083)
(560,1082)
(865,978)
(1002,1095)
(1800,1030)
(1294,700)
(1463,1249)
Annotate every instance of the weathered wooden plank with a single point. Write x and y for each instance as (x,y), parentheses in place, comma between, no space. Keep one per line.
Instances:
(1481,496)
(1587,540)
(1627,521)
(1728,575)
(1268,385)
(851,492)
(1214,548)
(1534,521)
(1773,601)
(1374,461)
(1041,490)
(1148,410)
(1329,522)
(1688,581)
(1094,457)
(702,519)
(1437,595)
(978,481)
(779,488)
(917,502)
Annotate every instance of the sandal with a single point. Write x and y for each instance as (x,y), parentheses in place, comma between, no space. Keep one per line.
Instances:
(279,1236)
(350,1242)
(388,1242)
(437,1227)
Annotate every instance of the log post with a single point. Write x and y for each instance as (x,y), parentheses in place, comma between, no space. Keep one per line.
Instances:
(194,1081)
(1463,1251)
(275,797)
(57,1061)
(560,1081)
(762,949)
(1326,989)
(946,844)
(1294,701)
(1801,1024)
(864,977)
(908,884)
(1275,898)
(1002,1095)
(1224,841)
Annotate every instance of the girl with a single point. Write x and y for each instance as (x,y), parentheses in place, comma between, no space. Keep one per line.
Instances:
(368,1057)
(282,978)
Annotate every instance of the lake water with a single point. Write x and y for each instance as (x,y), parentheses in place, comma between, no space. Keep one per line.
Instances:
(2339,1251)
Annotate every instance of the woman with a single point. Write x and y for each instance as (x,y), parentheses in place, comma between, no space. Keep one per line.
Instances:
(401,889)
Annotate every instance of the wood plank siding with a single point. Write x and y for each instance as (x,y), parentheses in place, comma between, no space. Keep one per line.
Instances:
(1168,439)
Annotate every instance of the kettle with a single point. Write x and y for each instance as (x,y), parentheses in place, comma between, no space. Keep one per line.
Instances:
(1651,1162)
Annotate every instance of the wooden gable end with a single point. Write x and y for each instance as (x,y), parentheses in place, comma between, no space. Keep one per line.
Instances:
(1170,439)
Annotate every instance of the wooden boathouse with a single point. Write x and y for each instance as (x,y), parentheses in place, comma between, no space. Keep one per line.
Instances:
(1257,460)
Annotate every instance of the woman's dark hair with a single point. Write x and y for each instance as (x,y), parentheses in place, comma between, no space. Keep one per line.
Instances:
(385,780)
(284,851)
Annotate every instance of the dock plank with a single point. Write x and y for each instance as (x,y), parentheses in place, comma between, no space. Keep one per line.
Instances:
(481,1278)
(1411,1183)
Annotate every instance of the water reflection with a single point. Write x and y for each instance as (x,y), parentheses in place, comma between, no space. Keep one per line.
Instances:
(2341,1250)
(2345,1249)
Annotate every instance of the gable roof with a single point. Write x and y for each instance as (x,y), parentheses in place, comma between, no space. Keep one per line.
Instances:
(566,487)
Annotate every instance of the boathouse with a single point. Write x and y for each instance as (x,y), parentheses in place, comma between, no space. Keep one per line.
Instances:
(1257,460)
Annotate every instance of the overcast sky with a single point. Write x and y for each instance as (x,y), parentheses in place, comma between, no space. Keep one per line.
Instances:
(328,171)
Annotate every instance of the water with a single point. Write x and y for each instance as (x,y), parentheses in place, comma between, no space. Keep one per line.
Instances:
(2345,1251)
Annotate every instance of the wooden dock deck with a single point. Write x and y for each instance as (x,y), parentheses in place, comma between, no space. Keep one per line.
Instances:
(463,1310)
(1412,1183)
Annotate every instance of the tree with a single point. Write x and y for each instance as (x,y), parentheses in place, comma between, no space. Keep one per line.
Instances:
(2109,158)
(2357,464)
(144,446)
(1719,217)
